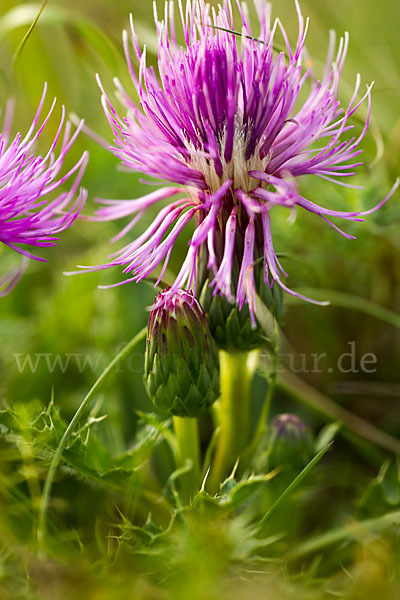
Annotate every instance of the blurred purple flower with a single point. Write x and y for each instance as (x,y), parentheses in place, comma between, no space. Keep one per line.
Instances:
(27,216)
(223,120)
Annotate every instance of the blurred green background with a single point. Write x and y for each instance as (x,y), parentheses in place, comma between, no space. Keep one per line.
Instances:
(50,314)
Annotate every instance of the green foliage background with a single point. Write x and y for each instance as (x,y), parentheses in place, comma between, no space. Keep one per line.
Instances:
(96,548)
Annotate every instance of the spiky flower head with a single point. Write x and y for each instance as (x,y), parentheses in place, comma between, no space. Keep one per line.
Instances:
(181,366)
(224,119)
(289,443)
(30,215)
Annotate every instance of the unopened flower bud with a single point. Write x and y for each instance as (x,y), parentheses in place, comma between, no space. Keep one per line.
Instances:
(290,442)
(181,365)
(235,329)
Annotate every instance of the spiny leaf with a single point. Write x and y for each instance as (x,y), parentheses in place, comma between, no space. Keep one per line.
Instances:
(383,492)
(84,454)
(234,494)
(238,492)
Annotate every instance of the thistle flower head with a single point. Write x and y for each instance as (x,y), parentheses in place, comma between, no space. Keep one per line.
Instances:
(181,367)
(222,118)
(29,218)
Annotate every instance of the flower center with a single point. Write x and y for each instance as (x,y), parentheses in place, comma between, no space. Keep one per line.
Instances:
(236,169)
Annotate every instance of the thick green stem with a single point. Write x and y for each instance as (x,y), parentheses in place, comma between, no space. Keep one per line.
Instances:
(70,429)
(233,413)
(187,438)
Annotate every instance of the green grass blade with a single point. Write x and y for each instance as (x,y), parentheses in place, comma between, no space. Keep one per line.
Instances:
(309,396)
(41,532)
(295,483)
(349,532)
(28,33)
(29,14)
(352,302)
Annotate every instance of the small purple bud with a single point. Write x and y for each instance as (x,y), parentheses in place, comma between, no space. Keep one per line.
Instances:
(290,442)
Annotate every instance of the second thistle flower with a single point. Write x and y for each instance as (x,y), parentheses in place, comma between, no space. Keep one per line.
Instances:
(33,211)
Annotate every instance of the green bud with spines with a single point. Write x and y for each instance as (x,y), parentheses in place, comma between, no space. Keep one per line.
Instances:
(181,363)
(231,327)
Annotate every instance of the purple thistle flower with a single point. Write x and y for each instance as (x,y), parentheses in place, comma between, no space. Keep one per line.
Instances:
(223,120)
(27,216)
